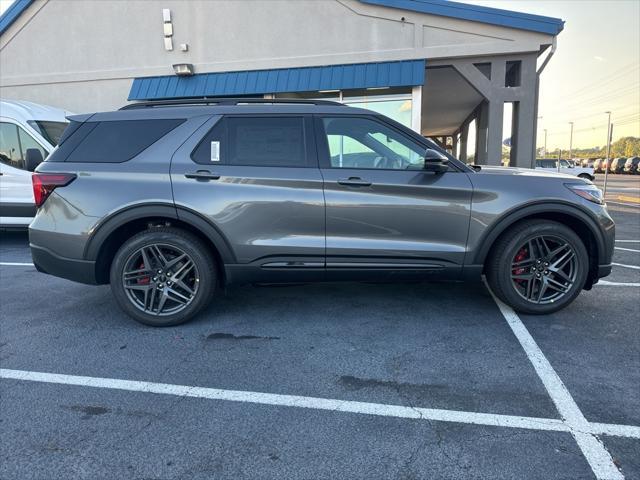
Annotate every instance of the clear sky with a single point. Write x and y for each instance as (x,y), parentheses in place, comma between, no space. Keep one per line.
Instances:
(596,68)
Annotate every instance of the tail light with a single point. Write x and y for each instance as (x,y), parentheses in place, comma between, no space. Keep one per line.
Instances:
(45,183)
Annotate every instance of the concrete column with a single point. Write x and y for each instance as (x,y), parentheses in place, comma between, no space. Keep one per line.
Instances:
(524,133)
(416,109)
(496,113)
(481,134)
(494,132)
(464,136)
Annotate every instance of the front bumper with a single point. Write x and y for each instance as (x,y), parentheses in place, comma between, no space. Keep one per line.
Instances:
(45,261)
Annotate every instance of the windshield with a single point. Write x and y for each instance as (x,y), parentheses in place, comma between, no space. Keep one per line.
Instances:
(51,131)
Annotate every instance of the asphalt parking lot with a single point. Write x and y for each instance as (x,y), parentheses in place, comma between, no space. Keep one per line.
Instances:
(429,380)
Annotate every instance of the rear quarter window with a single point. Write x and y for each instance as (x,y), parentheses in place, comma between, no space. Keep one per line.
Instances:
(115,141)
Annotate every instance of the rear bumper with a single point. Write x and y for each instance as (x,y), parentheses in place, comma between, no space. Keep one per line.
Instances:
(45,261)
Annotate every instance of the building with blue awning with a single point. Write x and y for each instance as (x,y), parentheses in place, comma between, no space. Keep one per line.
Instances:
(449,70)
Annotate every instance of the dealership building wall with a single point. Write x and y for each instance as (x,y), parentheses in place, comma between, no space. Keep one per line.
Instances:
(440,67)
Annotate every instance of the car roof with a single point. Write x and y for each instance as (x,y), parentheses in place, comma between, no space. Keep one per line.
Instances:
(166,111)
(24,111)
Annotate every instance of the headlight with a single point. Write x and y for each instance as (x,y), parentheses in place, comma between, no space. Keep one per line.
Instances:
(587,191)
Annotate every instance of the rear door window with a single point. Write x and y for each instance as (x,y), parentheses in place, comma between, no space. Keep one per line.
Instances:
(254,141)
(119,141)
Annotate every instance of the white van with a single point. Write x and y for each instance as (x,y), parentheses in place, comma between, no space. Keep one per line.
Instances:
(26,129)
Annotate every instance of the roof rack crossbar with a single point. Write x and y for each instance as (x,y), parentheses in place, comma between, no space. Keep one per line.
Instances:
(226,101)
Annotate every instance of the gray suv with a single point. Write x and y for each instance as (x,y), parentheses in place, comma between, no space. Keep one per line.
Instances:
(172,201)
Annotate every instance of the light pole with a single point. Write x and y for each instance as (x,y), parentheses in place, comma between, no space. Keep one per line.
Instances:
(545,142)
(571,142)
(606,160)
(537,119)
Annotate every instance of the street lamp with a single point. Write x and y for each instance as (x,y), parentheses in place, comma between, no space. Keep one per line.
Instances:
(606,160)
(571,142)
(545,142)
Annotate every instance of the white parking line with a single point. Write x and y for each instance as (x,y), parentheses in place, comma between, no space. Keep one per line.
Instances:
(316,403)
(625,204)
(16,264)
(627,249)
(628,241)
(635,267)
(617,284)
(592,448)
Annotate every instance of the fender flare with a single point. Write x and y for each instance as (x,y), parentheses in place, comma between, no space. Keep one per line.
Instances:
(135,212)
(519,212)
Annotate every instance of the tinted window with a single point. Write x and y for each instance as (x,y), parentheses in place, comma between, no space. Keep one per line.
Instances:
(51,131)
(365,143)
(119,141)
(10,153)
(14,142)
(257,141)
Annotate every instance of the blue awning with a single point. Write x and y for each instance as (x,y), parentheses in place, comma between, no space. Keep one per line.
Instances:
(282,80)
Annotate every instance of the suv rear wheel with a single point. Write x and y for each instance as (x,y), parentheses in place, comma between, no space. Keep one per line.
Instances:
(163,276)
(538,267)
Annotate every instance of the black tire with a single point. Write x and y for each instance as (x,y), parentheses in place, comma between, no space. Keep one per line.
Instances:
(500,266)
(201,277)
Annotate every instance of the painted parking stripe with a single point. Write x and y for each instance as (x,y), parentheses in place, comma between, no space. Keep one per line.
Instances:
(16,264)
(627,249)
(595,453)
(635,267)
(366,408)
(628,241)
(346,406)
(617,284)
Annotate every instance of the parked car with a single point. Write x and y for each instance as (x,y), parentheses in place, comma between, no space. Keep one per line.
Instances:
(565,168)
(631,165)
(604,165)
(28,133)
(169,202)
(597,165)
(617,165)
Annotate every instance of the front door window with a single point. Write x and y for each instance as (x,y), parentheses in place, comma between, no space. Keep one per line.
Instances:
(357,142)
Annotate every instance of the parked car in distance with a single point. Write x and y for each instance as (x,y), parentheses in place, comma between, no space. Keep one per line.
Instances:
(171,201)
(587,162)
(631,165)
(566,168)
(596,165)
(604,165)
(28,133)
(617,165)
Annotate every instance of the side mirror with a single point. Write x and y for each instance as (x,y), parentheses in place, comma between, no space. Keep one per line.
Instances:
(435,161)
(33,159)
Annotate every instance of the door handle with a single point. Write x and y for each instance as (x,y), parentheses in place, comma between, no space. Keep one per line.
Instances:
(203,175)
(354,182)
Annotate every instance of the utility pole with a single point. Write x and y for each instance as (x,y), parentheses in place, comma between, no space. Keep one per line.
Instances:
(545,142)
(559,157)
(606,161)
(536,149)
(571,142)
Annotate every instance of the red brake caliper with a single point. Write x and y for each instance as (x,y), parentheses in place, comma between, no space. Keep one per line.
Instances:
(522,254)
(143,280)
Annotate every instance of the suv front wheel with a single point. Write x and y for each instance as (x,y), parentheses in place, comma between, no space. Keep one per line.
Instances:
(538,267)
(163,276)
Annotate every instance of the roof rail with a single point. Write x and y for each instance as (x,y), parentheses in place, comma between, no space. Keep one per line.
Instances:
(226,101)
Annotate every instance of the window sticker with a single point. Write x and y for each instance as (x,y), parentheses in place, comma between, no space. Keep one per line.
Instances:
(215,151)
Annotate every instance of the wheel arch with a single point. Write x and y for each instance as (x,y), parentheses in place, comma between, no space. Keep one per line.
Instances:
(575,218)
(114,230)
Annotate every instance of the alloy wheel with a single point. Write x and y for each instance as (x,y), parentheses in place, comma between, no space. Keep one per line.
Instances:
(160,279)
(544,269)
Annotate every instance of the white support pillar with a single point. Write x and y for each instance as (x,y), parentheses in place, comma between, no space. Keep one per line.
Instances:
(416,109)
